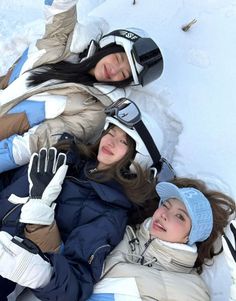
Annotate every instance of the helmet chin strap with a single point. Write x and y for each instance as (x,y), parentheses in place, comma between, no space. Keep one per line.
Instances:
(150,144)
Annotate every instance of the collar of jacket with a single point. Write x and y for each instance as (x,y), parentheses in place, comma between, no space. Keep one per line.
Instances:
(109,191)
(167,255)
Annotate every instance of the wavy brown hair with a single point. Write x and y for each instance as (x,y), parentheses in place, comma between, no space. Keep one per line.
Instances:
(138,184)
(223,206)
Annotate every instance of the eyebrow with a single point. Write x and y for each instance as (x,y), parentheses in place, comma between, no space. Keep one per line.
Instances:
(115,130)
(180,209)
(184,211)
(122,56)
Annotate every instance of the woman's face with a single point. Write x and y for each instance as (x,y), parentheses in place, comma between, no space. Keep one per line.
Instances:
(171,222)
(112,148)
(112,68)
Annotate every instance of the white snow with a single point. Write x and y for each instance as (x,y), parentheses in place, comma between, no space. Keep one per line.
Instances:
(193,100)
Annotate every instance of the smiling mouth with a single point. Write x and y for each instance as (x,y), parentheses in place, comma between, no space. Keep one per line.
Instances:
(106,73)
(106,151)
(158,226)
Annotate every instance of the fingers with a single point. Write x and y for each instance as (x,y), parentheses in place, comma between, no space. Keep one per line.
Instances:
(33,165)
(51,160)
(42,161)
(61,160)
(47,161)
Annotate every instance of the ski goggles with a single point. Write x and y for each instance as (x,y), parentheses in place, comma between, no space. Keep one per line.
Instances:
(124,110)
(147,54)
(128,113)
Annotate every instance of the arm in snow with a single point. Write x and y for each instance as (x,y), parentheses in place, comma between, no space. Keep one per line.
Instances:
(80,266)
(60,18)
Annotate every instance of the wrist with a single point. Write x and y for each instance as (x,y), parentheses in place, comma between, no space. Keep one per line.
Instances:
(39,213)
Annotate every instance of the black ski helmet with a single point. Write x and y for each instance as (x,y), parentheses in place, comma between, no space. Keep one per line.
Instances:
(144,55)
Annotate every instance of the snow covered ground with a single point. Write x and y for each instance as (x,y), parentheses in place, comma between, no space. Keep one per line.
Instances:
(193,101)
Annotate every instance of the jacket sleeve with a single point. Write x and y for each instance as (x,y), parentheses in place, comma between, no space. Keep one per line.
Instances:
(80,266)
(16,150)
(60,20)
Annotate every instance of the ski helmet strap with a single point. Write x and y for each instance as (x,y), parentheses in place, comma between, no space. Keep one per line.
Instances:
(150,144)
(129,35)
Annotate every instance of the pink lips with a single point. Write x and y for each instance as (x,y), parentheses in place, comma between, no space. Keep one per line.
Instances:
(106,151)
(157,226)
(106,73)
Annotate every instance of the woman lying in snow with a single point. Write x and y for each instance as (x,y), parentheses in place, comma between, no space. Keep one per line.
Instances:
(162,258)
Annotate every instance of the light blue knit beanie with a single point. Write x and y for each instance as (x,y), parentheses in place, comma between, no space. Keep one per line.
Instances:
(197,205)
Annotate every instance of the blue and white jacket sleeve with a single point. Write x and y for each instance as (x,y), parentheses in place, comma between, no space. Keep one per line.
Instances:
(60,20)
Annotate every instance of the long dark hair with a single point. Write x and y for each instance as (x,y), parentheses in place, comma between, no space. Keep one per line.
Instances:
(137,185)
(67,72)
(223,206)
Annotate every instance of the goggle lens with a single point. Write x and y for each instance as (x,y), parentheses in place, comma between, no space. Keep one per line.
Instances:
(147,54)
(124,110)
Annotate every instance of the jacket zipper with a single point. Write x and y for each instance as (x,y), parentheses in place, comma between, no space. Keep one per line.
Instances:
(91,257)
(146,245)
(9,213)
(75,180)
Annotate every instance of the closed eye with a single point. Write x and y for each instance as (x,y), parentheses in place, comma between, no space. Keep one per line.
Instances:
(110,133)
(124,142)
(118,58)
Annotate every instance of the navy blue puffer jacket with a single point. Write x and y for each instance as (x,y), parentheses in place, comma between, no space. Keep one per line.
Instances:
(91,217)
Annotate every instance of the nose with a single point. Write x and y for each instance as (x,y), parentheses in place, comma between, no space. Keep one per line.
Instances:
(111,142)
(164,215)
(115,69)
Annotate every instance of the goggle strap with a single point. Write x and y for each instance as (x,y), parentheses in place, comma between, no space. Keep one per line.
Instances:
(150,144)
(129,35)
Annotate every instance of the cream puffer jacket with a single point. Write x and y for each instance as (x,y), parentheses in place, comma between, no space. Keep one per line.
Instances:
(142,268)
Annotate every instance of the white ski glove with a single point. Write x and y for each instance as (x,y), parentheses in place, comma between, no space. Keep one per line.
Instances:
(21,262)
(46,174)
(229,246)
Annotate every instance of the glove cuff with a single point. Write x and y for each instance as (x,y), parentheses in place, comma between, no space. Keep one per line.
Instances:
(36,212)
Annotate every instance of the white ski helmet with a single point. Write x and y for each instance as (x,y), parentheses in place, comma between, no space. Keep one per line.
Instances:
(144,55)
(143,153)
